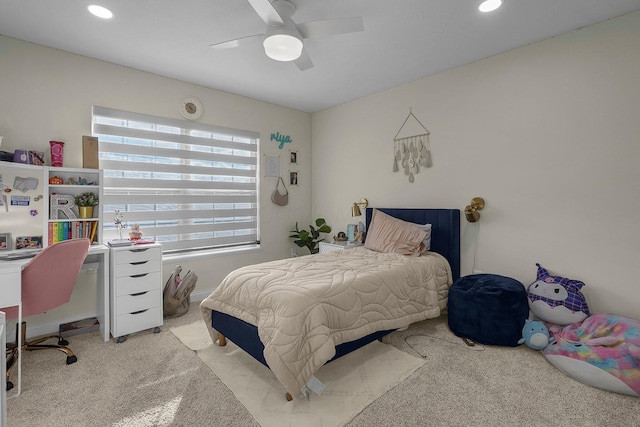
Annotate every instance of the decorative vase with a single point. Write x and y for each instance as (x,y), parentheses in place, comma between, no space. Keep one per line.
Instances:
(85,211)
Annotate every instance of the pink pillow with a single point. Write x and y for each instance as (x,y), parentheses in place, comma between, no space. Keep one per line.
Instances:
(389,234)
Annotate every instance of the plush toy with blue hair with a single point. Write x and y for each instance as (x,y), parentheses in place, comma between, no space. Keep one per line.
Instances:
(535,334)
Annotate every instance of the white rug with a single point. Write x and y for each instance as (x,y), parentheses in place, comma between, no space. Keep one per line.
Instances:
(352,381)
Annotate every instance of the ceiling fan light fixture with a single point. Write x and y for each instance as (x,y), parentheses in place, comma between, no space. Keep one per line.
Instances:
(489,5)
(282,44)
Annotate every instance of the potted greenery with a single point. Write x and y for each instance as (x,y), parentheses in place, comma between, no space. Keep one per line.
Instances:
(85,203)
(310,238)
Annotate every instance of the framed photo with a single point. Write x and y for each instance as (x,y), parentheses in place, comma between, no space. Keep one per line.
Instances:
(5,241)
(28,242)
(293,178)
(352,229)
(293,157)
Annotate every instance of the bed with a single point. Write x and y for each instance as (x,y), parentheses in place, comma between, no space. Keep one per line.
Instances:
(296,314)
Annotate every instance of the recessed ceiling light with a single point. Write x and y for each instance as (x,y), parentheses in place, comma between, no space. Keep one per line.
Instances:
(489,5)
(100,12)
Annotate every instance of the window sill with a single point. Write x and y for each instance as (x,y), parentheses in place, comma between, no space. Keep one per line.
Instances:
(213,253)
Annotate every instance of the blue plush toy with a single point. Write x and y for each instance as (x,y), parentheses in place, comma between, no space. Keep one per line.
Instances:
(535,334)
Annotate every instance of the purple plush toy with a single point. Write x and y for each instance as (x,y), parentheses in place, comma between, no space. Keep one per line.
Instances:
(556,299)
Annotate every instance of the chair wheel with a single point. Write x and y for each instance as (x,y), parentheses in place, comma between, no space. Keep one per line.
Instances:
(71,359)
(121,339)
(156,330)
(9,385)
(62,341)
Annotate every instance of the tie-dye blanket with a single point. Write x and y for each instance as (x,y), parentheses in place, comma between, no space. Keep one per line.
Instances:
(602,351)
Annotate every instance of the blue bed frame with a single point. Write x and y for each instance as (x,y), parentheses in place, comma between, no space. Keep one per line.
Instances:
(445,230)
(445,240)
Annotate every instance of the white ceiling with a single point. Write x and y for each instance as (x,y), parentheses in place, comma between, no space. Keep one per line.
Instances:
(403,40)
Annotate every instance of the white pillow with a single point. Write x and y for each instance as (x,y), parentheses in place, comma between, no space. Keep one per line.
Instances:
(427,239)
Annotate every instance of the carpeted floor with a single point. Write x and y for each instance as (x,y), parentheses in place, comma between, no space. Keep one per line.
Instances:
(352,382)
(154,380)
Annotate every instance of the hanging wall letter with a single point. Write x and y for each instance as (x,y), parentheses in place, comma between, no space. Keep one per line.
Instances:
(282,139)
(62,203)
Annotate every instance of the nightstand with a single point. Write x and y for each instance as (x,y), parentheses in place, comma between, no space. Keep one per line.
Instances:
(337,246)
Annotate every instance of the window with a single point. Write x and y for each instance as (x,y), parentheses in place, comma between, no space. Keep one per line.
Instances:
(187,185)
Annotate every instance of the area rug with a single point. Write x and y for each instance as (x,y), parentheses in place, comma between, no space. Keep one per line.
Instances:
(352,381)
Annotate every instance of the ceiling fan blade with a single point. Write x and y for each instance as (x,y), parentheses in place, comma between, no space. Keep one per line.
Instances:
(303,62)
(235,42)
(266,11)
(330,27)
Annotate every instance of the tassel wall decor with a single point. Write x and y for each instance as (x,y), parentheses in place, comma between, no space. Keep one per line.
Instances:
(412,151)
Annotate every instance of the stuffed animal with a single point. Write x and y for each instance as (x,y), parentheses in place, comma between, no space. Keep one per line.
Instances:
(556,299)
(535,334)
(602,351)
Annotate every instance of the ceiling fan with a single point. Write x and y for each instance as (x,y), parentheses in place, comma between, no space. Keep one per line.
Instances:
(283,39)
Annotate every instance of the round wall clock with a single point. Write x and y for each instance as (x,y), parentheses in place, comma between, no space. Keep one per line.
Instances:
(191,108)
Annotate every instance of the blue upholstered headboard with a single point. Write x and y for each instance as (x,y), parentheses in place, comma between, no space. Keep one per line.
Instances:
(445,232)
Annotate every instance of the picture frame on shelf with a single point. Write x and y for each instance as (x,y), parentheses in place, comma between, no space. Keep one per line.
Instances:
(29,242)
(352,229)
(5,241)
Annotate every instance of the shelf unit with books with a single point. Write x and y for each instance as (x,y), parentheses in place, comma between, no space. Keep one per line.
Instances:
(62,181)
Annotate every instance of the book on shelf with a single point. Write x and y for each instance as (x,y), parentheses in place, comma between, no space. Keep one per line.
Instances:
(117,242)
(94,229)
(65,230)
(143,242)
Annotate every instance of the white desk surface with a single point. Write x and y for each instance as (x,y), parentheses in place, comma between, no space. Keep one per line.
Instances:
(11,295)
(98,257)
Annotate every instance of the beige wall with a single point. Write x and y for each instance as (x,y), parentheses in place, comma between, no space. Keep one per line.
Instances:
(548,134)
(47,94)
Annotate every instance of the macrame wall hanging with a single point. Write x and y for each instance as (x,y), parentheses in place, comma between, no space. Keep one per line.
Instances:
(411,152)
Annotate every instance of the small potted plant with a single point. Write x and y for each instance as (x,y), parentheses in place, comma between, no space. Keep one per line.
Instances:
(85,203)
(310,239)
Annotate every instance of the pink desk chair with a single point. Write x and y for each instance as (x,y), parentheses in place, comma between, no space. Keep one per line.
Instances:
(47,282)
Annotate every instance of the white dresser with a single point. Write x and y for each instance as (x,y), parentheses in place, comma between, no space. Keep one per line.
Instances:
(135,289)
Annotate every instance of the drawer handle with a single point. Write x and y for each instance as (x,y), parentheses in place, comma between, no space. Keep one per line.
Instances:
(139,250)
(139,293)
(135,276)
(140,312)
(139,262)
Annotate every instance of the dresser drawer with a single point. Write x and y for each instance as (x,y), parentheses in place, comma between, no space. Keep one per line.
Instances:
(138,255)
(138,283)
(137,321)
(139,301)
(140,267)
(135,288)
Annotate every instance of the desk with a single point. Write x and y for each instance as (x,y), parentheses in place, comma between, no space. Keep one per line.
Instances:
(11,295)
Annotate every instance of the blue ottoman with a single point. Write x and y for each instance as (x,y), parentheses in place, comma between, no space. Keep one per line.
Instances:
(488,308)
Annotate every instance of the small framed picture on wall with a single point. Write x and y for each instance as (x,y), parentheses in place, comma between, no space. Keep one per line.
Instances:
(293,157)
(5,241)
(293,178)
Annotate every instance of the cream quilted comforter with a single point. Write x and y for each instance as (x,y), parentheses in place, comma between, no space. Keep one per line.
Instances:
(304,307)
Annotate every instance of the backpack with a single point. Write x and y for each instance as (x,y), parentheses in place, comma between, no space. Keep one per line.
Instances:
(176,295)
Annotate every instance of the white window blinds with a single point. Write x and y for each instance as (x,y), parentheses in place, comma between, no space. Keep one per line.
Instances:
(187,185)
